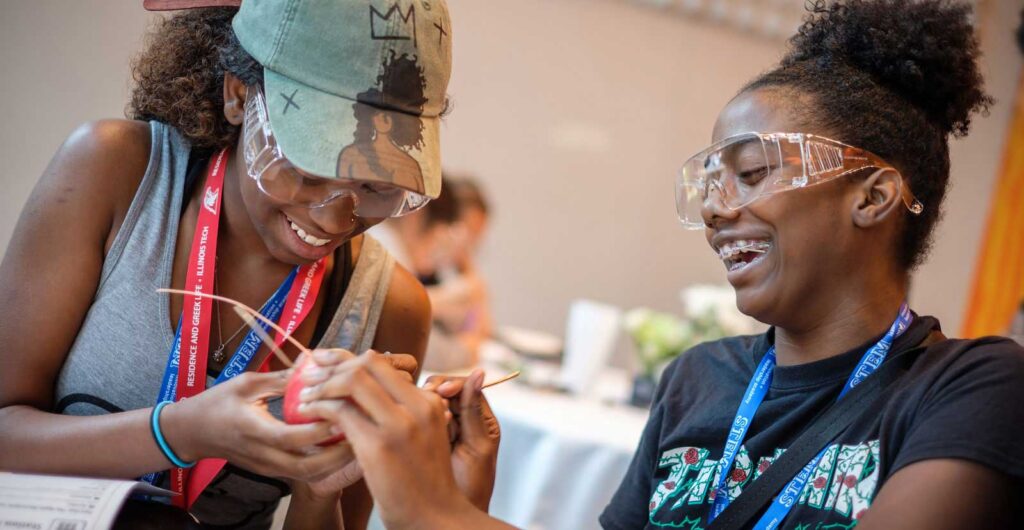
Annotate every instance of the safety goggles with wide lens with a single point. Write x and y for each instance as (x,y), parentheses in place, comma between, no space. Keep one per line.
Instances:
(279,179)
(743,168)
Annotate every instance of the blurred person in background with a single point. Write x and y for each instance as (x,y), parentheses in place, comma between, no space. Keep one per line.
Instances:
(439,244)
(819,218)
(422,241)
(459,299)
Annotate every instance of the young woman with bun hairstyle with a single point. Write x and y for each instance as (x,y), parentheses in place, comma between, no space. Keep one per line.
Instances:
(820,192)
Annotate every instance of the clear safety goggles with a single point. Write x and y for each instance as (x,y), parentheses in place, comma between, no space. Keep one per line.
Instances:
(279,179)
(743,168)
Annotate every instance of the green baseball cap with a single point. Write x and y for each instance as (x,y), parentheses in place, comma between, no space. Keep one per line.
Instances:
(354,88)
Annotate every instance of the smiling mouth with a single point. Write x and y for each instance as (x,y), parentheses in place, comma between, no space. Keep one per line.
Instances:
(309,239)
(742,253)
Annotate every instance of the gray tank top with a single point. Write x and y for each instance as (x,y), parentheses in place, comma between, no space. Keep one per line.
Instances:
(118,359)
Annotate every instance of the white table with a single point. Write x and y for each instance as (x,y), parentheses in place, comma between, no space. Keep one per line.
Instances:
(561,457)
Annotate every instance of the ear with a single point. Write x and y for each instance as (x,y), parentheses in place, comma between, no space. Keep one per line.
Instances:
(878,198)
(234,99)
(382,122)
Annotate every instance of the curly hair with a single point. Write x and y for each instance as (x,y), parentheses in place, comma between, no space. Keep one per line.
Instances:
(894,77)
(401,86)
(444,210)
(179,78)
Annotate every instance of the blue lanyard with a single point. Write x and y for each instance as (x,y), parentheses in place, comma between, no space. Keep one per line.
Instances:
(272,310)
(243,355)
(755,394)
(252,342)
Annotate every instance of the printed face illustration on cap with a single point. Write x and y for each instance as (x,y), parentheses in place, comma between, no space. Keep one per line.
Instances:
(355,89)
(383,137)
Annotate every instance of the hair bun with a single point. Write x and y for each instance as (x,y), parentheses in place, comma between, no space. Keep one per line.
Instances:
(924,50)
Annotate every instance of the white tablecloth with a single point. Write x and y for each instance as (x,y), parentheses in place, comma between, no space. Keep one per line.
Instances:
(561,457)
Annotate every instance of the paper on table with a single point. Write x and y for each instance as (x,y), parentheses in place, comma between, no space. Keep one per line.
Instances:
(46,502)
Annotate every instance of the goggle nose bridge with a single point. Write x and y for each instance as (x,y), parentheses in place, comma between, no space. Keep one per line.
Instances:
(340,194)
(713,184)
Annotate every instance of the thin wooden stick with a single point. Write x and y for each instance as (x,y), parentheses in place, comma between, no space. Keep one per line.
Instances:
(248,319)
(500,380)
(508,377)
(246,308)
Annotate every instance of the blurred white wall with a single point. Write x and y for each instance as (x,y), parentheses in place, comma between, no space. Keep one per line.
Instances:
(574,113)
(61,64)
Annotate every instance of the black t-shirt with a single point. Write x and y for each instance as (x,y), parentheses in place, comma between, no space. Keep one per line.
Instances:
(958,399)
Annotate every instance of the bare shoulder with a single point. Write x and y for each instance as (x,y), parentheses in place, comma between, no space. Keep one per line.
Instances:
(98,168)
(405,320)
(121,146)
(108,156)
(408,294)
(407,303)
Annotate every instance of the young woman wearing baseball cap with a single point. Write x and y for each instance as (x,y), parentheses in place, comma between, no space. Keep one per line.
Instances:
(820,193)
(263,142)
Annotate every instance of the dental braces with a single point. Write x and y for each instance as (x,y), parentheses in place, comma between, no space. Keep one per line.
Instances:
(731,250)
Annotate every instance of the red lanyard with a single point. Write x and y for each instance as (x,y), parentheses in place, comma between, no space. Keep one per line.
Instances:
(197,317)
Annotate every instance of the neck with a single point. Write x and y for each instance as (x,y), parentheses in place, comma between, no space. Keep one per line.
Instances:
(844,323)
(239,244)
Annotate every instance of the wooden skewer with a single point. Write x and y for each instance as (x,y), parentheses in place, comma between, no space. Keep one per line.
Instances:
(248,319)
(247,309)
(499,381)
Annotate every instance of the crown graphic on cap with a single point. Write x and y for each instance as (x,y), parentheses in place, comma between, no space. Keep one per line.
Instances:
(394,24)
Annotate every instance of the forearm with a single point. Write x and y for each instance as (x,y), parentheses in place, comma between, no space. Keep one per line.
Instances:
(357,504)
(311,512)
(118,445)
(483,521)
(465,516)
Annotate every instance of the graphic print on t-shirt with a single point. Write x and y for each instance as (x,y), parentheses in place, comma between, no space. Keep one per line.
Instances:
(843,483)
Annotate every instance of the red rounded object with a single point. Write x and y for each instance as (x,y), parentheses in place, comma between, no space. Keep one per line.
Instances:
(292,401)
